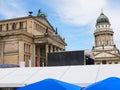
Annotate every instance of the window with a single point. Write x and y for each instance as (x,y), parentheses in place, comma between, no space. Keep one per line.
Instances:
(0,28)
(6,27)
(14,26)
(116,62)
(97,63)
(110,62)
(26,54)
(26,59)
(103,62)
(21,25)
(26,48)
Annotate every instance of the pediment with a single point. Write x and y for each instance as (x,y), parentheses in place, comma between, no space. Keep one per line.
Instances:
(58,39)
(105,54)
(45,22)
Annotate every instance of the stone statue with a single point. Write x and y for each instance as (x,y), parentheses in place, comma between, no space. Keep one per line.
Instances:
(40,13)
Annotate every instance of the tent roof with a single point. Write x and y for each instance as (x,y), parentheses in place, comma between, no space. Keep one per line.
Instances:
(111,83)
(50,84)
(80,75)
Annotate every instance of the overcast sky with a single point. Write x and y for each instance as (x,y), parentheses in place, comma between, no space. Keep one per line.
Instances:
(75,19)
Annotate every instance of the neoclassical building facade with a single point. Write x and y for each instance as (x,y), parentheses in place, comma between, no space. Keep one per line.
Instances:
(28,39)
(105,50)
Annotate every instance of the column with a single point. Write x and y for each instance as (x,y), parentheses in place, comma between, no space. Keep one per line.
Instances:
(38,54)
(46,50)
(51,48)
(112,43)
(34,55)
(2,55)
(1,52)
(55,49)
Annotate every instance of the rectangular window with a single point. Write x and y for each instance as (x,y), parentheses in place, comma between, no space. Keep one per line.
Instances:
(0,28)
(103,62)
(14,26)
(110,62)
(26,59)
(97,63)
(21,25)
(116,62)
(26,48)
(6,27)
(26,54)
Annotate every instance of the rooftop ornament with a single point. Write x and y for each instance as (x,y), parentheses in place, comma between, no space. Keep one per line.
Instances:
(56,31)
(102,18)
(30,13)
(40,13)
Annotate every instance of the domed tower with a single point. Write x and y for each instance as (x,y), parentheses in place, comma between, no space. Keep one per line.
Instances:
(104,51)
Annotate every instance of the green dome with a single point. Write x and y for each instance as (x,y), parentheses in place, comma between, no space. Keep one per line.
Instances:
(102,19)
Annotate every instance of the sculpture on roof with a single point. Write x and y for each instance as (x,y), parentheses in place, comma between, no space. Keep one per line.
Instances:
(40,13)
(56,31)
(30,13)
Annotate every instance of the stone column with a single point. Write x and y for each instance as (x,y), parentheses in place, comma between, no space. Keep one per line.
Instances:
(51,48)
(2,54)
(55,49)
(34,55)
(17,25)
(46,52)
(38,54)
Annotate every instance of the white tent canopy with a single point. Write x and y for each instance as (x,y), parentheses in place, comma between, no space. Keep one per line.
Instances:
(81,75)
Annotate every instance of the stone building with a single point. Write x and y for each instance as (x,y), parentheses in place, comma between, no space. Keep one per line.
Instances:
(104,51)
(28,39)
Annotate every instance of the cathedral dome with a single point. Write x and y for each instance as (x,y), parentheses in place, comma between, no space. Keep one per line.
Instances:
(102,19)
